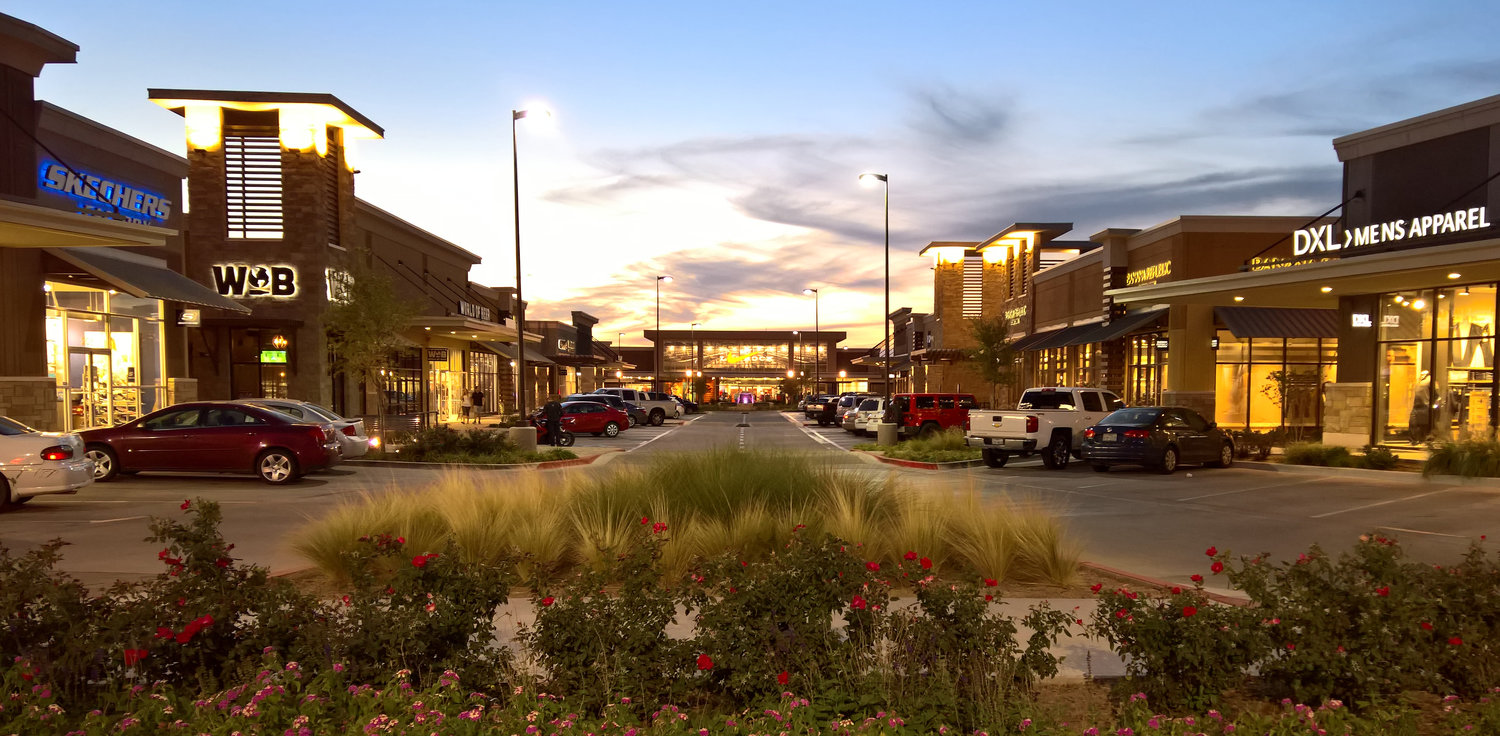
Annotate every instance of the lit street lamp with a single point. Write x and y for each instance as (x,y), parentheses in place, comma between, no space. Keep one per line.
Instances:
(817,333)
(656,370)
(520,315)
(693,346)
(886,318)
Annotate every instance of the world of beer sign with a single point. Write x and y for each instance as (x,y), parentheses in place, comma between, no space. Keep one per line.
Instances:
(1320,239)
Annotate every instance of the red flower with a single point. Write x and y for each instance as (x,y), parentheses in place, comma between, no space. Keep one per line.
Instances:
(135,655)
(783,678)
(548,600)
(658,527)
(400,540)
(1383,591)
(1217,567)
(1196,578)
(1176,590)
(1189,611)
(421,560)
(988,597)
(910,555)
(185,504)
(705,662)
(163,632)
(346,601)
(645,520)
(222,562)
(1455,641)
(858,603)
(1291,647)
(1426,626)
(162,555)
(799,527)
(872,566)
(1096,587)
(926,564)
(1120,613)
(1211,551)
(990,582)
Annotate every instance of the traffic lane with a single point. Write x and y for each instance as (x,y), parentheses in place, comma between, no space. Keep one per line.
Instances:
(630,438)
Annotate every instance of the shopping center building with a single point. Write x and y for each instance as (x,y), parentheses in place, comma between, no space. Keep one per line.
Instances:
(745,366)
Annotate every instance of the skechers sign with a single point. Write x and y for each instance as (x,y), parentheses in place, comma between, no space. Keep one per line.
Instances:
(1320,239)
(236,280)
(96,194)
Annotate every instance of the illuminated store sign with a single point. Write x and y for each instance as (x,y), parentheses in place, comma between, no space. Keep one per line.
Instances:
(107,197)
(1013,316)
(273,356)
(1148,275)
(474,311)
(1320,239)
(1360,319)
(237,280)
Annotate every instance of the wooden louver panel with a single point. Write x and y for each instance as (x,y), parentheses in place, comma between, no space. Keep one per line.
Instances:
(252,181)
(973,285)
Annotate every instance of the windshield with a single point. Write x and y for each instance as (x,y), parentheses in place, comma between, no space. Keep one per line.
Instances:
(1138,417)
(10,427)
(323,412)
(869,405)
(1046,400)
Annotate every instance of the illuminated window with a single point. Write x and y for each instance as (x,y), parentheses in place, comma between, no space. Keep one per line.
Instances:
(1437,369)
(1265,383)
(105,353)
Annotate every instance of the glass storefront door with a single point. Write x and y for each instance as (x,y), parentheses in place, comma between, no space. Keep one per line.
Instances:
(1437,371)
(104,350)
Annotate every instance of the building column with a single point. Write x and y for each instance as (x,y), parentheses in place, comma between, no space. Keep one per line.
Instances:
(1191,372)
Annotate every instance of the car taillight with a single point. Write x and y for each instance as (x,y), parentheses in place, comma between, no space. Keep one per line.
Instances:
(318,434)
(1088,434)
(57,452)
(1032,424)
(1138,434)
(966,424)
(349,430)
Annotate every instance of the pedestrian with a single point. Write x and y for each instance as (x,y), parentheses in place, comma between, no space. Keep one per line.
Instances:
(552,412)
(464,409)
(476,404)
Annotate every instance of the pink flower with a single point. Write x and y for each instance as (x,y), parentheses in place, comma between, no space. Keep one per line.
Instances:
(658,527)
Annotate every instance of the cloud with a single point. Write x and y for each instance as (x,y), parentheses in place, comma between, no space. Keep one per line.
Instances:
(958,119)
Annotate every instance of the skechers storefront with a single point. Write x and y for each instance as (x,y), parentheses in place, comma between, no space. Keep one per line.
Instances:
(1408,277)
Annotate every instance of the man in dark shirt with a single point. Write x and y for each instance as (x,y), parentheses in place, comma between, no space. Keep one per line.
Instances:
(552,412)
(476,400)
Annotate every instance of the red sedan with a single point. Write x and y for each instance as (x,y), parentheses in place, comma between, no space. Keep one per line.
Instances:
(587,416)
(214,437)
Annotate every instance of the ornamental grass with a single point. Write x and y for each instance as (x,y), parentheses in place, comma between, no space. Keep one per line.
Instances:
(714,502)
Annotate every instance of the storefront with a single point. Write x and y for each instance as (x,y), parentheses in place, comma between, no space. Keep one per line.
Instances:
(738,366)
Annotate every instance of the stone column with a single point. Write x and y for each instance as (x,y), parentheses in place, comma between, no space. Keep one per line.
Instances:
(1349,414)
(31,400)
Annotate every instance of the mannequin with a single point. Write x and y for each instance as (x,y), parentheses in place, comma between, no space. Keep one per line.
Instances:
(1419,424)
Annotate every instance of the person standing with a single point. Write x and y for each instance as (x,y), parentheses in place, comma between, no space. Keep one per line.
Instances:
(463,408)
(476,404)
(552,412)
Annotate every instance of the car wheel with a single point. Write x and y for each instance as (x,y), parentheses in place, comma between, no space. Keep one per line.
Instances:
(6,501)
(657,417)
(1226,456)
(633,421)
(1101,468)
(1168,461)
(612,429)
(994,458)
(276,466)
(106,464)
(566,439)
(1056,456)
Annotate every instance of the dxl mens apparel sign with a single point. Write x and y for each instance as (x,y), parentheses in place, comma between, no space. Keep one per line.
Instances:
(1320,239)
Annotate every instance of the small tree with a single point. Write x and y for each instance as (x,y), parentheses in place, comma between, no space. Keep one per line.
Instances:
(993,355)
(1291,392)
(364,319)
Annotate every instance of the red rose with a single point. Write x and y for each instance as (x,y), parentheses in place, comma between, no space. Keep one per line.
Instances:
(990,582)
(346,601)
(1455,641)
(1217,567)
(1291,647)
(1211,551)
(645,520)
(926,563)
(400,540)
(1196,578)
(783,678)
(910,555)
(1426,626)
(185,504)
(135,655)
(222,562)
(872,566)
(1189,611)
(858,603)
(1120,613)
(1176,590)
(162,555)
(1096,587)
(705,662)
(163,632)
(988,597)
(658,527)
(1383,591)
(419,561)
(548,600)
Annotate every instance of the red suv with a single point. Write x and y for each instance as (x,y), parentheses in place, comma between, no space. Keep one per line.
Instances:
(928,414)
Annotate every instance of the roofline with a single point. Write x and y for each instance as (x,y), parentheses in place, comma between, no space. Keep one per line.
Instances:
(174,164)
(300,98)
(52,48)
(1428,126)
(476,258)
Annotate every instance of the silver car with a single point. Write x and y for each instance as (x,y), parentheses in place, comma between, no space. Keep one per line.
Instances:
(351,432)
(34,463)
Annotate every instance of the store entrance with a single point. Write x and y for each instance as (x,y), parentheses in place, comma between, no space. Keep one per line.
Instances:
(89,389)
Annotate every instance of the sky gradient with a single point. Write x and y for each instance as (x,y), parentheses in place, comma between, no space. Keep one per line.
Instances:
(722,145)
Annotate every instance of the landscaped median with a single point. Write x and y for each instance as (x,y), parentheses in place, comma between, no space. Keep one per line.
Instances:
(448,446)
(939,450)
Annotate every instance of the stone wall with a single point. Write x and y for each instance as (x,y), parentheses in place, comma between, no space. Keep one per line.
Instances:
(31,401)
(181,390)
(1348,414)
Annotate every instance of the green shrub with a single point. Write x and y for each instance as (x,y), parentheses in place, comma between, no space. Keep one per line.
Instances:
(1379,458)
(941,447)
(1474,458)
(1313,453)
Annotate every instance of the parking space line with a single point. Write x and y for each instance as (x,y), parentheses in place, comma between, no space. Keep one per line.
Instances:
(1419,531)
(1381,503)
(812,434)
(1255,488)
(111,521)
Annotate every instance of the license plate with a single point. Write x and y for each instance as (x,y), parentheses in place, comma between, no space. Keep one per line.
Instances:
(1109,437)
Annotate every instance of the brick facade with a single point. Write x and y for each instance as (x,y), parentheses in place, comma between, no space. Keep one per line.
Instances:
(31,401)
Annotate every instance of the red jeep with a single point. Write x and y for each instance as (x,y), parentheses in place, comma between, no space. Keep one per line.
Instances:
(928,414)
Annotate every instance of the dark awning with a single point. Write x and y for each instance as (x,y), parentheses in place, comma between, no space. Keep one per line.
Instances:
(1122,326)
(508,350)
(1065,337)
(1279,321)
(1026,343)
(140,276)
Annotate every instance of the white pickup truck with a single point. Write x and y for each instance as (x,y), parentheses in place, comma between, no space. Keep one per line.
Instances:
(657,409)
(1048,421)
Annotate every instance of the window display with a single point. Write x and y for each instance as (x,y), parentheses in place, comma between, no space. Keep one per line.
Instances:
(104,350)
(1437,372)
(1268,383)
(1148,371)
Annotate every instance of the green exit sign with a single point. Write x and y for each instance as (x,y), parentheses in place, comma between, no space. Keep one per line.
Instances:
(273,356)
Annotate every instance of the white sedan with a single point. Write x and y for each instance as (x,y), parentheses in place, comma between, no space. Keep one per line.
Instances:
(351,432)
(867,416)
(34,463)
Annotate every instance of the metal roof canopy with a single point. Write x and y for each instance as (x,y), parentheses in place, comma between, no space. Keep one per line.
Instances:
(1279,321)
(142,277)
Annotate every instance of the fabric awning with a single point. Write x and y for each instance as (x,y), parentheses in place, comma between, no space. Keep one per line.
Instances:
(508,350)
(1122,326)
(1065,337)
(1027,342)
(1279,321)
(142,277)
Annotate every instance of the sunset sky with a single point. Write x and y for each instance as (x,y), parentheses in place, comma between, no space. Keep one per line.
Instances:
(720,143)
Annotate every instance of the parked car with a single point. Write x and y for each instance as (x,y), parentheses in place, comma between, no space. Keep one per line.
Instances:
(215,437)
(846,414)
(868,416)
(633,414)
(1048,420)
(814,406)
(592,417)
(657,410)
(927,414)
(834,407)
(33,463)
(688,407)
(1159,437)
(353,441)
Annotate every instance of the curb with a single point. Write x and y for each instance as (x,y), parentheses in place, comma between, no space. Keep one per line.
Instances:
(955,465)
(1164,585)
(1389,476)
(545,465)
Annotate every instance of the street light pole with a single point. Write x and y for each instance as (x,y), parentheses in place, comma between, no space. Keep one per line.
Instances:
(886,319)
(520,310)
(692,374)
(656,369)
(817,340)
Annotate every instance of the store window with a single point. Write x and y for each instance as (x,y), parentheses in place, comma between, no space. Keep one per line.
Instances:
(1437,371)
(403,382)
(484,374)
(1082,365)
(1269,383)
(104,351)
(746,357)
(445,384)
(1147,372)
(260,362)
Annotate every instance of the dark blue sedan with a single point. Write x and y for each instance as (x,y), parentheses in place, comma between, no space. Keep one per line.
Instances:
(1160,437)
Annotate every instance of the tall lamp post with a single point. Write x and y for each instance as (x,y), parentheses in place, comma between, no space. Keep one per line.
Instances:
(693,372)
(885,320)
(656,372)
(817,335)
(520,315)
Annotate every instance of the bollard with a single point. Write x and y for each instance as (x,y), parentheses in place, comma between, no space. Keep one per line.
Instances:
(524,438)
(885,434)
(744,419)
